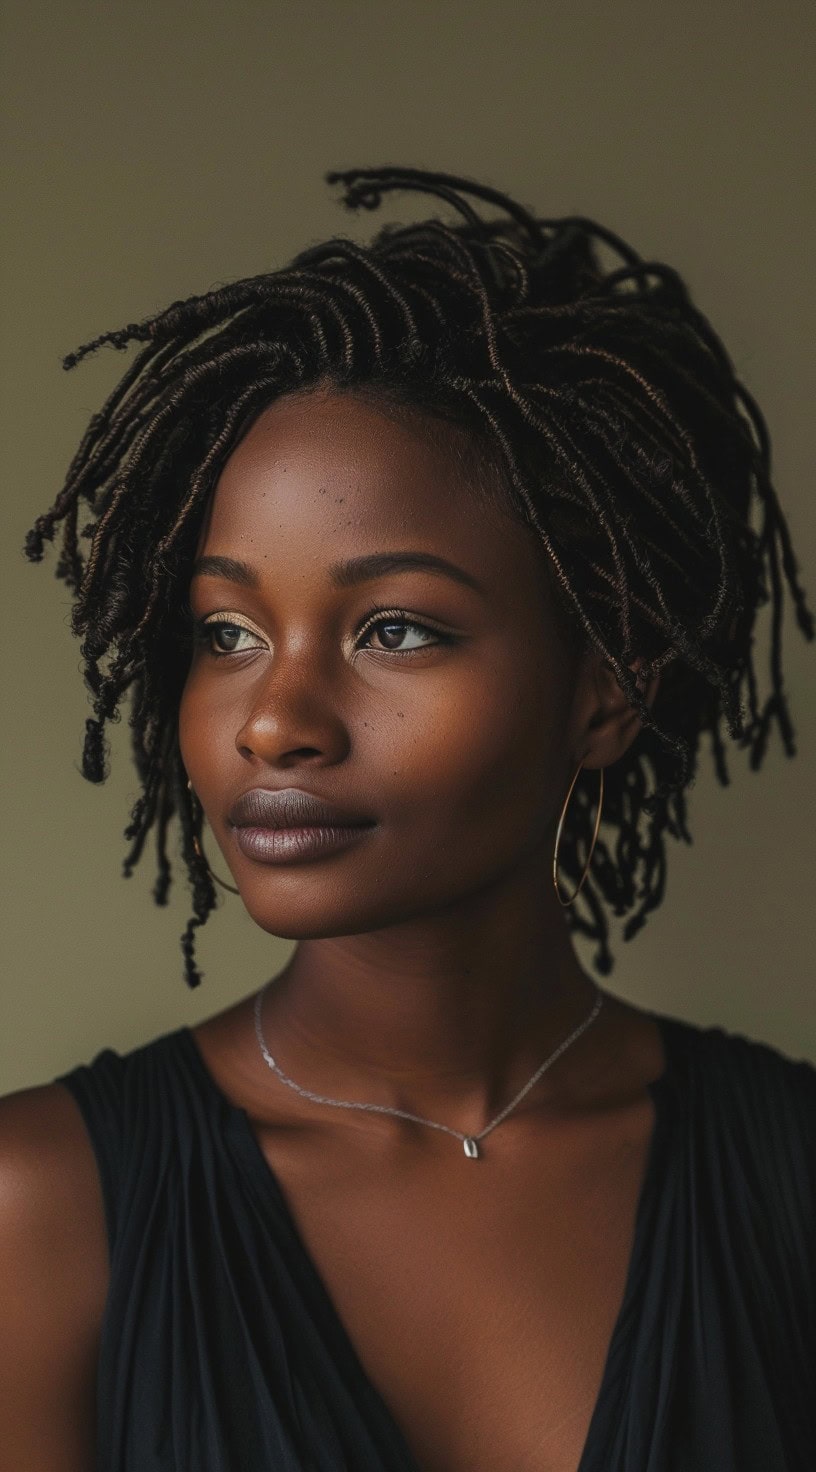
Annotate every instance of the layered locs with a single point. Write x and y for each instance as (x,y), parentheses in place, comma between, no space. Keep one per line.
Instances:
(600,401)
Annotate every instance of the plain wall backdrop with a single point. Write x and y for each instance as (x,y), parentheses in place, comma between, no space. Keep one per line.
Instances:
(151,151)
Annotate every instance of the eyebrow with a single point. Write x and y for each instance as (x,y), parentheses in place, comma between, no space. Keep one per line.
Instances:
(345,574)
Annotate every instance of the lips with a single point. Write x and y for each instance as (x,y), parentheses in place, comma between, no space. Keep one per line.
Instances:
(262,807)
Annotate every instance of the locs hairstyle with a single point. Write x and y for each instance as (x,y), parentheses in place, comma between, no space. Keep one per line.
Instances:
(598,403)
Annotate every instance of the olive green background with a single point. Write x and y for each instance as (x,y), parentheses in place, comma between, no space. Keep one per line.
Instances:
(153,150)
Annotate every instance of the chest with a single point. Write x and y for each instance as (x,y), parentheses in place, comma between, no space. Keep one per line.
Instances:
(479,1297)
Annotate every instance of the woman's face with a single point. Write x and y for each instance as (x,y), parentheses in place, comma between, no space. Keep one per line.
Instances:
(440,707)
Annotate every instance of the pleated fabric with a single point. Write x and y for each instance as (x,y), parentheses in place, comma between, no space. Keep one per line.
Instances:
(221,1350)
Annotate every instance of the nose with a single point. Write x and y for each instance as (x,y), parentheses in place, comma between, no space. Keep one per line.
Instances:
(294,714)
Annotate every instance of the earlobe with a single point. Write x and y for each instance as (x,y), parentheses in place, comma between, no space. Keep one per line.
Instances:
(614,722)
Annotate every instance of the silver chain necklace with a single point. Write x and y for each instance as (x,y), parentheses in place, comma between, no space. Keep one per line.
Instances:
(470,1142)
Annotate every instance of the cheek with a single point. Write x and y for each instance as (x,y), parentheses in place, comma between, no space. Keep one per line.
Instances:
(186,724)
(203,729)
(486,750)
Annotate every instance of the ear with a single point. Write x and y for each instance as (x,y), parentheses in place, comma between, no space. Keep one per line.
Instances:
(604,724)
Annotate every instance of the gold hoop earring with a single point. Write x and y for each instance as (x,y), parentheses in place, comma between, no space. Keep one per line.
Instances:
(574,896)
(199,850)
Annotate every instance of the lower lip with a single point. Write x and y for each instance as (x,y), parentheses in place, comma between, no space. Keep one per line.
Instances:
(291,845)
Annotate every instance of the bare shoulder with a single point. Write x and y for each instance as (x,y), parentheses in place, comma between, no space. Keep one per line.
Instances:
(53,1279)
(47,1164)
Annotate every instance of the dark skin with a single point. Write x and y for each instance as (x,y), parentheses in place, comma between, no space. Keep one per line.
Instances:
(433,971)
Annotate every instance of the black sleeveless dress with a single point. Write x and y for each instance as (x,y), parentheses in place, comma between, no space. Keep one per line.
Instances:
(222,1350)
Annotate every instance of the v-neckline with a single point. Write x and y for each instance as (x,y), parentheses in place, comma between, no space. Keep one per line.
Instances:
(244,1139)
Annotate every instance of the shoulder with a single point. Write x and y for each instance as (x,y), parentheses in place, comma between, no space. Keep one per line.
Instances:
(741,1078)
(51,1206)
(747,1162)
(53,1274)
(747,1070)
(751,1115)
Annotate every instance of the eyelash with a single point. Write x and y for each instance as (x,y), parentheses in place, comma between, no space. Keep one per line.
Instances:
(203,629)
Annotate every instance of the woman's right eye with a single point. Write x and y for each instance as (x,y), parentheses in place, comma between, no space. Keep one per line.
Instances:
(221,636)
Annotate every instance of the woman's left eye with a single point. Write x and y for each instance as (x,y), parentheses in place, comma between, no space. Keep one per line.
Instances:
(393,627)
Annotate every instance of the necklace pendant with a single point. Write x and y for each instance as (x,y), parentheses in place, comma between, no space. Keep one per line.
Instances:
(471,1148)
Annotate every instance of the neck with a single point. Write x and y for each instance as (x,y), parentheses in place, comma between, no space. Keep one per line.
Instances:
(446,1017)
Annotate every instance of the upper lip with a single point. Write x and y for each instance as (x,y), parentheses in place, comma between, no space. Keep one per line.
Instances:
(261,807)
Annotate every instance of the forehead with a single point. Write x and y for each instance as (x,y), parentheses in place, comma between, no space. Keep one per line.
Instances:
(328,443)
(330,474)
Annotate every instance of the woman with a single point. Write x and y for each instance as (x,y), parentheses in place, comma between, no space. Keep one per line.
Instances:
(426,566)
